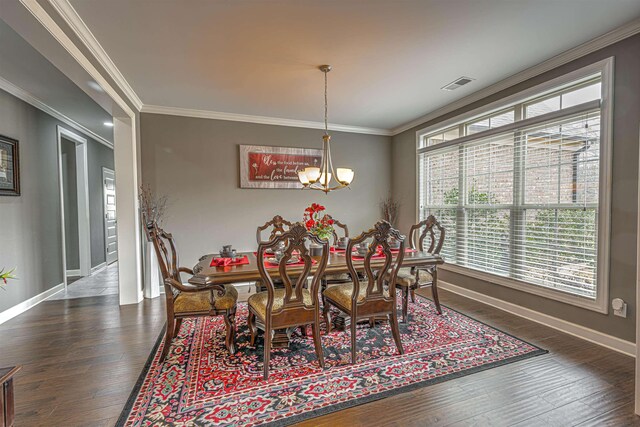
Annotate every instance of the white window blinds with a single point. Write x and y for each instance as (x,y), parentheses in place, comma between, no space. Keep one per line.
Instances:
(521,200)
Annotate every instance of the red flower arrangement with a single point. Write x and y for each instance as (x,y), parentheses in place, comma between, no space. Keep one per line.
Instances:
(321,226)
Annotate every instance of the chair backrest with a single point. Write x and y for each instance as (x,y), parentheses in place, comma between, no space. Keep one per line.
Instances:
(278,226)
(294,239)
(430,225)
(337,223)
(167,254)
(380,235)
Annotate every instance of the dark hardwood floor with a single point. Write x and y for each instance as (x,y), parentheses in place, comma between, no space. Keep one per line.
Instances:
(81,358)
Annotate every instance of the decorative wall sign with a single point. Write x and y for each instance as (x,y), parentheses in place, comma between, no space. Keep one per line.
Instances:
(9,167)
(263,166)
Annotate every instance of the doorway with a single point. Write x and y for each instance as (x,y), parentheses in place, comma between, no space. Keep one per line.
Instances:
(74,205)
(110,219)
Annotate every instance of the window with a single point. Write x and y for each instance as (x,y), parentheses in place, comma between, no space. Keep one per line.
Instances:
(520,192)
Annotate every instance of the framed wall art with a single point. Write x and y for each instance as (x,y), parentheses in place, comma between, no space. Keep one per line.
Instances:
(9,167)
(263,166)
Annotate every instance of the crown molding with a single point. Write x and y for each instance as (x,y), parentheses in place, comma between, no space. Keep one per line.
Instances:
(620,33)
(22,94)
(205,114)
(73,19)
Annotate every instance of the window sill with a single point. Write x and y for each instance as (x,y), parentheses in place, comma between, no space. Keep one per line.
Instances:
(598,305)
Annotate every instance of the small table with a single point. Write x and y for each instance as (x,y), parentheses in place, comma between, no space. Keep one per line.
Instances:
(7,411)
(205,275)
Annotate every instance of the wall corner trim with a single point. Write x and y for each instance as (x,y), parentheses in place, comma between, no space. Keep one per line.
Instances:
(20,308)
(629,29)
(613,343)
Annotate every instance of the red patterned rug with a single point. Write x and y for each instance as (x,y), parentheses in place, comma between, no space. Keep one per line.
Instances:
(200,384)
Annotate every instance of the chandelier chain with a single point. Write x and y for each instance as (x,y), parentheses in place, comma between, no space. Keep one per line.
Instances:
(326,106)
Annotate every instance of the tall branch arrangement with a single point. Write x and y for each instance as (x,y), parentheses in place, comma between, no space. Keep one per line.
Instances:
(390,209)
(152,206)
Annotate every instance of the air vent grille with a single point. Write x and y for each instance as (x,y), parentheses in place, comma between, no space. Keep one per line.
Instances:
(457,83)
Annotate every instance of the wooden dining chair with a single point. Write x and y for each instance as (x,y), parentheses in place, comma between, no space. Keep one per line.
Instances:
(293,305)
(410,279)
(336,278)
(275,226)
(184,300)
(371,298)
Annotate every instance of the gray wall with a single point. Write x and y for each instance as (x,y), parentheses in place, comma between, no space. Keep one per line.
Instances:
(624,197)
(70,191)
(30,225)
(98,156)
(195,163)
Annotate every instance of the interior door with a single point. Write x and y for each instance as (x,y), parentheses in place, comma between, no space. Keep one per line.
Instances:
(110,219)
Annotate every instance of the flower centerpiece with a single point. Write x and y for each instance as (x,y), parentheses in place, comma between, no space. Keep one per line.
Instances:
(318,223)
(5,275)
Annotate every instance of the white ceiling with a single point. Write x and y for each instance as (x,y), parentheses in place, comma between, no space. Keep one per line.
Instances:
(390,58)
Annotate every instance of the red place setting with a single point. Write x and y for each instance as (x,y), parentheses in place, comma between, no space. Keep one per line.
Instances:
(227,262)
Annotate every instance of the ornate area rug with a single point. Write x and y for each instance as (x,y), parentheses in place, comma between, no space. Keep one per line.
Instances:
(199,384)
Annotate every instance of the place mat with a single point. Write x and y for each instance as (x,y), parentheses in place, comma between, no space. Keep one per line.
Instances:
(227,262)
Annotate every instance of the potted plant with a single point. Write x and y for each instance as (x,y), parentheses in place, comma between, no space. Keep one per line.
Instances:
(318,224)
(6,275)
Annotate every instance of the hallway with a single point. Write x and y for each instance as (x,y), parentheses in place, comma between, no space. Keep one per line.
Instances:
(102,283)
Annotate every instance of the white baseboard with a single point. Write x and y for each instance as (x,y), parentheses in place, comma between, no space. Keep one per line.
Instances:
(98,268)
(31,302)
(73,273)
(622,346)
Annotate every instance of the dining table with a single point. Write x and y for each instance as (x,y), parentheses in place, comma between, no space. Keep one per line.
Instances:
(205,273)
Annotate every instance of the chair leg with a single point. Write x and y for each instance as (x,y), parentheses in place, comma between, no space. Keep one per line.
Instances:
(327,316)
(395,330)
(267,353)
(230,339)
(434,289)
(251,321)
(168,337)
(354,350)
(176,330)
(318,343)
(405,304)
(413,295)
(323,287)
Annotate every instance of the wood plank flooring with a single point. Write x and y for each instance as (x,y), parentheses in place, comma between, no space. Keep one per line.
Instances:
(81,358)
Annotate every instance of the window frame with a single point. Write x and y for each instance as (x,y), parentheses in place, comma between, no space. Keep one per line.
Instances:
(519,101)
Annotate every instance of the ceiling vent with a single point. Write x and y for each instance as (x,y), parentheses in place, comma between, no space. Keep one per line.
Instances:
(457,83)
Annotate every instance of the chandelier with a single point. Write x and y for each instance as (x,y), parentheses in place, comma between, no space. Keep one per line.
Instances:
(322,178)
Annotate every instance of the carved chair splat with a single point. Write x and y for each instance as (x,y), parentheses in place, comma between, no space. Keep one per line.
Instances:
(370,299)
(293,305)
